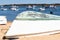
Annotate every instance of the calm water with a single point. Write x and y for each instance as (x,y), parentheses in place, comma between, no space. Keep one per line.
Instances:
(12,14)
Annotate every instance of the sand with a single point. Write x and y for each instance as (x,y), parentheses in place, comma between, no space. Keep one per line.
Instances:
(4,29)
(39,37)
(46,37)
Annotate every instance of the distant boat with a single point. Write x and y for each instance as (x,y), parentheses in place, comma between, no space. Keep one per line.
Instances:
(5,9)
(14,8)
(42,8)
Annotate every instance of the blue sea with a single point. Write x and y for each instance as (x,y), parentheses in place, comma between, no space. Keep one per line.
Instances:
(11,14)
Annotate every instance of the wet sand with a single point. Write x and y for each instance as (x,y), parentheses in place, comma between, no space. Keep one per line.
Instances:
(4,29)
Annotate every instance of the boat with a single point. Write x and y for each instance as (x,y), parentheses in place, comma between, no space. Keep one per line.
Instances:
(29,25)
(33,23)
(3,20)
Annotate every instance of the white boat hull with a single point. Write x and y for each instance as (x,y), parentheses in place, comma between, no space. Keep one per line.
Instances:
(20,27)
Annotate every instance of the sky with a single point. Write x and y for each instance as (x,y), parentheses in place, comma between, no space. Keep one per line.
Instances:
(28,1)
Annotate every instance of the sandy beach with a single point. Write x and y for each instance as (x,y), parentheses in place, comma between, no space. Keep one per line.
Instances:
(4,29)
(39,37)
(46,37)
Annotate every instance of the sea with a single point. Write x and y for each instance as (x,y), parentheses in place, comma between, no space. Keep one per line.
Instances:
(11,14)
